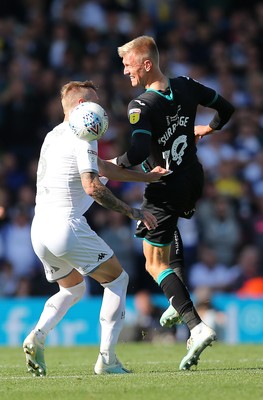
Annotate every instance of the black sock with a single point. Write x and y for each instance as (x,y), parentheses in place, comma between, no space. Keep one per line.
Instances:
(176,261)
(179,272)
(177,292)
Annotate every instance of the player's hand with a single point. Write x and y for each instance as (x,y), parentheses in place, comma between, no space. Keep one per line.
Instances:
(146,217)
(157,173)
(202,130)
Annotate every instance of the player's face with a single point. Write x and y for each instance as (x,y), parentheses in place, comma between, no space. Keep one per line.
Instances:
(135,69)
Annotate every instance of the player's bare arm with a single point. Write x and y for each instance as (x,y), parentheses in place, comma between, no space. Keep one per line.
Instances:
(103,196)
(202,130)
(115,172)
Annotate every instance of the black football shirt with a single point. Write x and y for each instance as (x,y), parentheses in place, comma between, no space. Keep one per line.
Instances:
(163,124)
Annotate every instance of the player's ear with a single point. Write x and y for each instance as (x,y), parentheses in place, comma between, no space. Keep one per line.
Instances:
(147,65)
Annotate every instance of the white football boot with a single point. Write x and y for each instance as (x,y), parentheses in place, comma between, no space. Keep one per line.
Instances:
(196,344)
(170,317)
(102,367)
(34,350)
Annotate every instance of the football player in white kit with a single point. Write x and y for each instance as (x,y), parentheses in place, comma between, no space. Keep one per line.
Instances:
(68,181)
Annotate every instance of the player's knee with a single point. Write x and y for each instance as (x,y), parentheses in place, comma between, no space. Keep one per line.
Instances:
(75,292)
(123,279)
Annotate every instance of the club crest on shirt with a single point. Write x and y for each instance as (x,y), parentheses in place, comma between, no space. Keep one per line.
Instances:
(134,115)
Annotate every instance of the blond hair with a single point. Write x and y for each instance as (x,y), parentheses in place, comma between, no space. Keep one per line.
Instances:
(143,46)
(71,91)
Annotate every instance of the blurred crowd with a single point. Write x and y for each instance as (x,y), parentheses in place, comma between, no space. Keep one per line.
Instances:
(46,43)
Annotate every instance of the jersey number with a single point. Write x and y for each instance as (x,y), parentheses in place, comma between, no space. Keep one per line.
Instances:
(177,151)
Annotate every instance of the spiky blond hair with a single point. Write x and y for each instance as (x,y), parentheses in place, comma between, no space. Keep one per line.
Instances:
(143,46)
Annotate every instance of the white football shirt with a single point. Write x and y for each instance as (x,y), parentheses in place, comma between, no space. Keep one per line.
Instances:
(63,158)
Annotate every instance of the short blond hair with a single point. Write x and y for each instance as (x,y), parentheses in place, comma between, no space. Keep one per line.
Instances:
(77,87)
(143,46)
(72,91)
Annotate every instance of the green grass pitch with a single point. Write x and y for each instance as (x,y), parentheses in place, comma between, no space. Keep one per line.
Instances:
(225,372)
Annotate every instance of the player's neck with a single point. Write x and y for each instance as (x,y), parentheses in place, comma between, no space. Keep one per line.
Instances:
(158,82)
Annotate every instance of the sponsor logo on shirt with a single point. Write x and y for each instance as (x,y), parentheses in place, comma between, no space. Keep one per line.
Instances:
(134,115)
(173,121)
(92,155)
(92,152)
(140,102)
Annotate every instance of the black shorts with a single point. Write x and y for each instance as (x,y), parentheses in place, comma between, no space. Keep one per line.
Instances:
(173,197)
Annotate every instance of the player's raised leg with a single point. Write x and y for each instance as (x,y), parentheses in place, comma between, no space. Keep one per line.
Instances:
(170,317)
(176,292)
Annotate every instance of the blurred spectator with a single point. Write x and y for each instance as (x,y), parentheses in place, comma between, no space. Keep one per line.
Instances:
(190,236)
(211,316)
(4,204)
(24,287)
(213,152)
(19,118)
(18,249)
(59,45)
(210,273)
(253,171)
(222,230)
(247,142)
(205,204)
(26,196)
(147,326)
(8,279)
(253,287)
(251,272)
(13,173)
(257,224)
(117,233)
(227,182)
(91,14)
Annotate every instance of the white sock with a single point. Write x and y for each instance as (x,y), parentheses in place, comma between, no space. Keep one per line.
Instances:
(112,315)
(57,306)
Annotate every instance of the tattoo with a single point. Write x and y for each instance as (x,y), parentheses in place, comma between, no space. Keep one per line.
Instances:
(103,196)
(137,214)
(106,198)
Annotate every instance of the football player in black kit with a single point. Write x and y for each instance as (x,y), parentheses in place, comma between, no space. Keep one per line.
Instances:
(164,133)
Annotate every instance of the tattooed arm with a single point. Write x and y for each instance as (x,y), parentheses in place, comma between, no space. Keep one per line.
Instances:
(103,196)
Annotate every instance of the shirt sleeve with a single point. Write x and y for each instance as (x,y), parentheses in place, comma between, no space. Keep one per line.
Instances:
(208,97)
(87,156)
(140,145)
(138,151)
(224,112)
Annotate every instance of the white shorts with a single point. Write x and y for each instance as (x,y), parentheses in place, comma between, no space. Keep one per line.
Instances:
(63,245)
